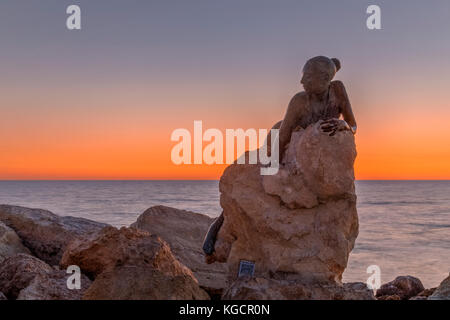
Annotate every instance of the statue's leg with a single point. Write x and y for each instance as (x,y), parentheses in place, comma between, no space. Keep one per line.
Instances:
(210,238)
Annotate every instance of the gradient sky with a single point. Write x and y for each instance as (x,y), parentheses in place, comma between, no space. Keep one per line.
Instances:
(101,103)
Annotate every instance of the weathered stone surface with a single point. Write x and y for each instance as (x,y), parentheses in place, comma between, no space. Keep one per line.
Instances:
(25,277)
(131,264)
(403,287)
(299,224)
(391,297)
(53,286)
(17,272)
(10,243)
(184,232)
(271,289)
(45,233)
(115,247)
(424,294)
(442,292)
(144,283)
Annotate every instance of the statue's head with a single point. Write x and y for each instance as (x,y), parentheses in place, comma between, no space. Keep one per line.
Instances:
(318,73)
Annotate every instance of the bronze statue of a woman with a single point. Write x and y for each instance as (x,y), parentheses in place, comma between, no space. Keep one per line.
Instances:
(323,100)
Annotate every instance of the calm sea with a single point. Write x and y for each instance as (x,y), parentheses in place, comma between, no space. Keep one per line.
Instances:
(404,225)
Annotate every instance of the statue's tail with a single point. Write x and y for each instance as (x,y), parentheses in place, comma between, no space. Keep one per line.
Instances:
(211,236)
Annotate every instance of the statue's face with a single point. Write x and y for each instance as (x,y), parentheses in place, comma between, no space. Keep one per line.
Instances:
(315,79)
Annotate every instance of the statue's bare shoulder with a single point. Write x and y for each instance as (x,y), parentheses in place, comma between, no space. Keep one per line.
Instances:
(300,97)
(295,111)
(339,89)
(297,104)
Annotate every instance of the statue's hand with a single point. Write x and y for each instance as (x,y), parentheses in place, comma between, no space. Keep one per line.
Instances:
(332,126)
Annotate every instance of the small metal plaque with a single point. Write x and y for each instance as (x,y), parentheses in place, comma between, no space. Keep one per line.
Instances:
(246,268)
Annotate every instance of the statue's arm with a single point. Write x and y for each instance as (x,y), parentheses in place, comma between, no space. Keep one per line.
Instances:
(347,112)
(290,119)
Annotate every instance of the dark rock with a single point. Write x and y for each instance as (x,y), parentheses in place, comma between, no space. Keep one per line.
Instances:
(53,286)
(24,277)
(424,294)
(404,287)
(270,289)
(442,292)
(17,272)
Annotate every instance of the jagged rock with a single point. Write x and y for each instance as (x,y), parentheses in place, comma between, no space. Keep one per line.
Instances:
(271,289)
(131,264)
(442,292)
(115,247)
(403,287)
(299,224)
(424,294)
(184,232)
(18,271)
(10,243)
(53,286)
(45,233)
(144,283)
(24,277)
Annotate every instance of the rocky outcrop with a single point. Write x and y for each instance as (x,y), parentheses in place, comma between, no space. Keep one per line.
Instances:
(298,225)
(271,289)
(24,277)
(53,286)
(442,292)
(17,272)
(144,283)
(44,233)
(184,232)
(403,287)
(115,247)
(131,264)
(10,243)
(424,294)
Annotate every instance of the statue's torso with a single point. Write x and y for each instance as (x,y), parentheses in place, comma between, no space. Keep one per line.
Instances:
(315,111)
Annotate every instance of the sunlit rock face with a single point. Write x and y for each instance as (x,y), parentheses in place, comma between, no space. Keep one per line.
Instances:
(184,232)
(297,225)
(131,264)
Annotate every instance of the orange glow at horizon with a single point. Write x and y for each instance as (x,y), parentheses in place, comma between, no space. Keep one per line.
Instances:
(122,139)
(404,149)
